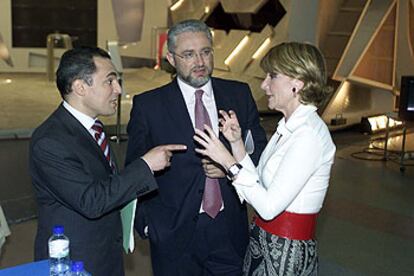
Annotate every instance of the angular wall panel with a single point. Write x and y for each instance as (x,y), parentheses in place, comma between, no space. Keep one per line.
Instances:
(372,18)
(242,6)
(377,62)
(411,25)
(245,56)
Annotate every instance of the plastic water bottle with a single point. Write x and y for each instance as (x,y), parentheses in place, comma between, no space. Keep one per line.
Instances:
(59,252)
(78,270)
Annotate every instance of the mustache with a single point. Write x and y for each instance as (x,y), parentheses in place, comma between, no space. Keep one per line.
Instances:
(195,68)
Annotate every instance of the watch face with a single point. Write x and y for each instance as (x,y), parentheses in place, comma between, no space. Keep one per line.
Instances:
(234,170)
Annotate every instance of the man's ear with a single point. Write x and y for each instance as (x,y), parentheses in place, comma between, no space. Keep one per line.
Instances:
(78,87)
(170,59)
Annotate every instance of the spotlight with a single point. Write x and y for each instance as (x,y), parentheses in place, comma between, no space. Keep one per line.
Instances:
(378,123)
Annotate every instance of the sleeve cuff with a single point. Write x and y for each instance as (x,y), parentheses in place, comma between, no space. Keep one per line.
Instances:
(248,174)
(247,163)
(147,165)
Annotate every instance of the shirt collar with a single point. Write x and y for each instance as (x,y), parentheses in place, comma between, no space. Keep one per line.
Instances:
(297,118)
(189,90)
(84,119)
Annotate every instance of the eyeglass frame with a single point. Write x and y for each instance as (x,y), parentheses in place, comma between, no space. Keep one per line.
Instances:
(202,54)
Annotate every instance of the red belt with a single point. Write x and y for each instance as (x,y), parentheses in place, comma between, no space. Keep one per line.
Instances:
(290,225)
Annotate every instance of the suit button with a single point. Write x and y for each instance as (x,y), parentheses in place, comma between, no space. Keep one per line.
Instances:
(200,191)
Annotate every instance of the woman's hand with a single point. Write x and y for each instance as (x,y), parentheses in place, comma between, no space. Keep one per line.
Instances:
(229,126)
(213,147)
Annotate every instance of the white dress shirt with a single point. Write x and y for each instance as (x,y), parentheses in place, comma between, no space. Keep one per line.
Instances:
(84,119)
(209,102)
(294,169)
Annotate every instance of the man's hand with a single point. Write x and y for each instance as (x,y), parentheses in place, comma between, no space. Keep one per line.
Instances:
(158,158)
(212,169)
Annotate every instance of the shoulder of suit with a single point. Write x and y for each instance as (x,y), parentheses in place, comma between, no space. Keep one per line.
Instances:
(231,88)
(220,81)
(154,93)
(56,123)
(50,128)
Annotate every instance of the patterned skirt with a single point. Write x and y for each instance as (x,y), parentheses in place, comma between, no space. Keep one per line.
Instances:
(270,255)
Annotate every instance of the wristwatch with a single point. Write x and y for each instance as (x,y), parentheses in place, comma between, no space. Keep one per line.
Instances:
(233,171)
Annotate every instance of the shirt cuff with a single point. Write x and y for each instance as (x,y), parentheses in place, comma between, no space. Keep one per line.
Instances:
(247,163)
(248,174)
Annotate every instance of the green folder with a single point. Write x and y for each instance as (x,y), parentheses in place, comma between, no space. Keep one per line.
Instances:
(127,218)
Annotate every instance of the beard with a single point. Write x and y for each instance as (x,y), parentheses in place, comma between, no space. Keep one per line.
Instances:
(195,81)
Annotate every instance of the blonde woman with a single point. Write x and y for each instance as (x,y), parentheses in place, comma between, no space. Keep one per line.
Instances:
(288,187)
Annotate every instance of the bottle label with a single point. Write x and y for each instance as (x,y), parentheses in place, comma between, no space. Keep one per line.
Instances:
(59,249)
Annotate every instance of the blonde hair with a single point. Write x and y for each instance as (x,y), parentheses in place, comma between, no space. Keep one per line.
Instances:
(302,61)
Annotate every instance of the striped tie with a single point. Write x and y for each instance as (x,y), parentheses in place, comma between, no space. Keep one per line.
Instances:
(102,141)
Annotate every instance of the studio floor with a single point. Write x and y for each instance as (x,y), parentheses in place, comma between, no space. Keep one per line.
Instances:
(366,226)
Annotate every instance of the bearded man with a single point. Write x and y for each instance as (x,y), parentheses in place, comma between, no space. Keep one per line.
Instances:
(195,222)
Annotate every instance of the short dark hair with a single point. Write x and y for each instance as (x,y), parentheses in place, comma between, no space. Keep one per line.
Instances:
(77,64)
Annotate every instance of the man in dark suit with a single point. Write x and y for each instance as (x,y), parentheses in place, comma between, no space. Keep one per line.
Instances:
(75,179)
(185,237)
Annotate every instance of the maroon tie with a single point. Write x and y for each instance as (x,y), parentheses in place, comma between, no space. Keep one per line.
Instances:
(212,194)
(102,141)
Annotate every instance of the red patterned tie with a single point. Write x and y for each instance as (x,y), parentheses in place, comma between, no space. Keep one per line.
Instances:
(102,141)
(212,194)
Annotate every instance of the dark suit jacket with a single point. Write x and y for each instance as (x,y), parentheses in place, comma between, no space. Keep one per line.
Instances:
(159,117)
(75,187)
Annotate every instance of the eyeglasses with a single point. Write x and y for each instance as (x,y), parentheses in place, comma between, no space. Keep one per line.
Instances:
(189,56)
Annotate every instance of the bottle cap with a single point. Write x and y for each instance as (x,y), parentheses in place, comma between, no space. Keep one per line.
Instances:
(58,229)
(77,266)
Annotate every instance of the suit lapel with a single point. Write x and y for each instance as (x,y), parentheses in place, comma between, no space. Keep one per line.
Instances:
(176,108)
(80,135)
(222,103)
(113,159)
(221,97)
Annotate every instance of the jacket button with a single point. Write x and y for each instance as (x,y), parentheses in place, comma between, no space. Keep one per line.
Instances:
(200,191)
